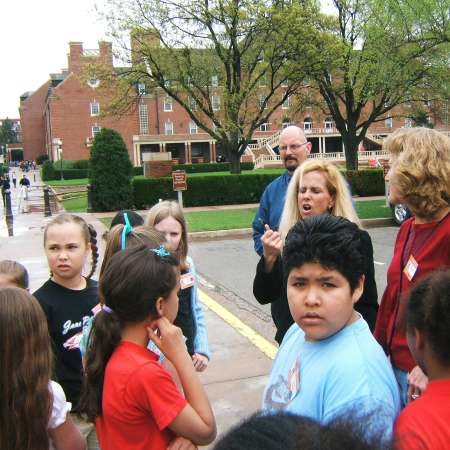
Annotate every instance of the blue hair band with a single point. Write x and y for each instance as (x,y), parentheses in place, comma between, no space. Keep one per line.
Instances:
(107,309)
(161,251)
(127,229)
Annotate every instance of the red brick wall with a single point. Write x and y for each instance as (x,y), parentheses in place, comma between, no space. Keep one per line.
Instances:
(32,121)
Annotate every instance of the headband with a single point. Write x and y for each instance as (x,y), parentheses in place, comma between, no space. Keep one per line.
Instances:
(127,229)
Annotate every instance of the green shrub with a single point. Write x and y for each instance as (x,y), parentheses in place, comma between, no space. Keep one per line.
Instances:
(110,172)
(68,164)
(48,171)
(71,174)
(41,158)
(81,164)
(138,170)
(366,182)
(204,190)
(210,167)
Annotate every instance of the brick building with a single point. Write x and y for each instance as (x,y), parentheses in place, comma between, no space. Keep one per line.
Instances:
(64,114)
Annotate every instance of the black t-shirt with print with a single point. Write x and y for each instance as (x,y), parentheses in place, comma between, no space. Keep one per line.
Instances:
(184,318)
(67,311)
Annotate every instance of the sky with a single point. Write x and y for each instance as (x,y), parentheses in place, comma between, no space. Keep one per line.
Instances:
(34,42)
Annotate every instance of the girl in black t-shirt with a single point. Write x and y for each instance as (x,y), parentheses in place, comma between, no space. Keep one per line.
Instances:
(67,299)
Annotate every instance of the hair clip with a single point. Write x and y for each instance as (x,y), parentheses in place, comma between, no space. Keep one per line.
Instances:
(127,229)
(161,251)
(107,309)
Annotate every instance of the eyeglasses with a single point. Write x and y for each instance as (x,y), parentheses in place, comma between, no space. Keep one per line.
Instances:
(283,148)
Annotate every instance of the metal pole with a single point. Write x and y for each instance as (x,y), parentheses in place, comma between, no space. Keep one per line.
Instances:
(47,208)
(8,213)
(89,198)
(180,198)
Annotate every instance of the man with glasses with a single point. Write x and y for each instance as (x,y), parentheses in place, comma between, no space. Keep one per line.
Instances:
(294,149)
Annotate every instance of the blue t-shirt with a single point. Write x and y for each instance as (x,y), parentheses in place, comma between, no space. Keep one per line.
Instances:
(345,373)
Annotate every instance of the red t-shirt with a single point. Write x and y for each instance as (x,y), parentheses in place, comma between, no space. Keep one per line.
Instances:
(429,244)
(425,423)
(140,400)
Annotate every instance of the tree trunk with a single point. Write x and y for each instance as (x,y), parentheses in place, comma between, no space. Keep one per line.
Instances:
(235,162)
(351,144)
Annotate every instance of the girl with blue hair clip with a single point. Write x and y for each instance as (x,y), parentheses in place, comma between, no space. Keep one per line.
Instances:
(167,217)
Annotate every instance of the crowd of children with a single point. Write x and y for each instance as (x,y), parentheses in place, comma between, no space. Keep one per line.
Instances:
(113,364)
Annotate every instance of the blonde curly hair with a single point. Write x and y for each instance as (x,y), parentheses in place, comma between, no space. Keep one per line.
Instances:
(337,188)
(421,168)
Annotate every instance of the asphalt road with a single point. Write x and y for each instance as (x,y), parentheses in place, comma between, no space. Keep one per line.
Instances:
(227,268)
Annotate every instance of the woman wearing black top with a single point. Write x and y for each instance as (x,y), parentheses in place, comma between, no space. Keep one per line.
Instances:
(317,187)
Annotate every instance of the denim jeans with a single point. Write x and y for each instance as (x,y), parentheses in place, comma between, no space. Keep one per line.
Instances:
(402,380)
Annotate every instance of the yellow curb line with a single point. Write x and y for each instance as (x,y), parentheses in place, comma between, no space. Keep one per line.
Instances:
(256,339)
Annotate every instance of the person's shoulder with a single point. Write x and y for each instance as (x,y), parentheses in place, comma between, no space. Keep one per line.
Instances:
(41,293)
(277,181)
(90,283)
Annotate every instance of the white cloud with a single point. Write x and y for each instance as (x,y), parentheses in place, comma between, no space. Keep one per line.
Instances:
(34,37)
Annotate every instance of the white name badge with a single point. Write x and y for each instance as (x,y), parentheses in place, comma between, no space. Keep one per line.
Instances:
(187,280)
(411,268)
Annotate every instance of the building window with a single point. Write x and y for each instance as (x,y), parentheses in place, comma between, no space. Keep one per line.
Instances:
(263,102)
(307,124)
(143,118)
(408,122)
(192,104)
(286,103)
(166,82)
(168,128)
(264,127)
(388,122)
(329,125)
(93,82)
(214,81)
(95,109)
(215,102)
(95,130)
(286,123)
(168,103)
(285,83)
(141,89)
(193,128)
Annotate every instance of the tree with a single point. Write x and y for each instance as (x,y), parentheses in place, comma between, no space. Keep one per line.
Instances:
(110,172)
(372,56)
(223,61)
(8,134)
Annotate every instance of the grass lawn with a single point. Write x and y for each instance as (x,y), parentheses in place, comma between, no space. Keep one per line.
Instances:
(76,182)
(75,204)
(229,219)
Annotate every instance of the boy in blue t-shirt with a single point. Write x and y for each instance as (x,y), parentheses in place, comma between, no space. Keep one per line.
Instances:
(329,364)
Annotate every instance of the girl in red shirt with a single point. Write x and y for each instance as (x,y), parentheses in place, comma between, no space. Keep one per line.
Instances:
(425,423)
(131,397)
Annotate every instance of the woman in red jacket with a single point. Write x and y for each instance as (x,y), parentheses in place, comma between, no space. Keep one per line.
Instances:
(420,178)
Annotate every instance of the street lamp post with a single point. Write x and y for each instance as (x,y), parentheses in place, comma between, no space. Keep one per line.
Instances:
(60,152)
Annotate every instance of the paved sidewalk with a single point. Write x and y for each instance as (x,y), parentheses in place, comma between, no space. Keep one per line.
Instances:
(237,374)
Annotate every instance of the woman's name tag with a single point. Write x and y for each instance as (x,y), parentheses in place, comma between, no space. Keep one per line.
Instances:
(411,268)
(187,280)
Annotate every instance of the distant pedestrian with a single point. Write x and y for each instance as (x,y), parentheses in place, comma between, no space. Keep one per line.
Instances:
(25,181)
(14,179)
(6,187)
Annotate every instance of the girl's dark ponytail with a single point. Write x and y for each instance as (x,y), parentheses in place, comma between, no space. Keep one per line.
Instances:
(94,249)
(104,337)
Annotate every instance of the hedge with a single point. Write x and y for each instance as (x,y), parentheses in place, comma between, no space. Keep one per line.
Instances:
(232,189)
(69,164)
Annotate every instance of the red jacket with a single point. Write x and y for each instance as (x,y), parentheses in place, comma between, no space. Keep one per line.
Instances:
(431,249)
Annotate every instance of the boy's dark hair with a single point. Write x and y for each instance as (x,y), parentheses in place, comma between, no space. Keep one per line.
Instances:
(333,242)
(130,285)
(428,310)
(287,431)
(134,218)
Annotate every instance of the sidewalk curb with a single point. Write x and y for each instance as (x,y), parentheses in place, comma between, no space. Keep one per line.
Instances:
(247,232)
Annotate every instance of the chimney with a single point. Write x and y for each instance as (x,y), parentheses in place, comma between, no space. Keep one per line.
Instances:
(106,57)
(74,57)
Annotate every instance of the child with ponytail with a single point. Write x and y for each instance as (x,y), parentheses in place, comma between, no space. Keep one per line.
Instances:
(33,408)
(131,397)
(67,299)
(168,218)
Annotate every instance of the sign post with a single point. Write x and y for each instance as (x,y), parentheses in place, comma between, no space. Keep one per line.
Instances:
(179,184)
(386,167)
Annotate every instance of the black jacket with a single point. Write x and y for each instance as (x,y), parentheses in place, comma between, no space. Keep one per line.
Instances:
(269,288)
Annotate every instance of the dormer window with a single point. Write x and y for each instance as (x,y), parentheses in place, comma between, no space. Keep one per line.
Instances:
(93,82)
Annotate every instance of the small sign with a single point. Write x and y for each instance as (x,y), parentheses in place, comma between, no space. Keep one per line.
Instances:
(179,180)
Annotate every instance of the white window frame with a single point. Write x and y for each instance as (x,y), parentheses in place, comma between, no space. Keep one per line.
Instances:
(408,122)
(215,102)
(192,104)
(168,104)
(287,102)
(329,125)
(264,126)
(285,124)
(285,83)
(193,127)
(307,124)
(168,128)
(95,108)
(143,118)
(95,130)
(388,122)
(263,103)
(141,88)
(215,81)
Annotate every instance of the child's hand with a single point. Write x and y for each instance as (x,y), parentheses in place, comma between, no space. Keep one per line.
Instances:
(181,443)
(417,383)
(168,338)
(272,243)
(200,362)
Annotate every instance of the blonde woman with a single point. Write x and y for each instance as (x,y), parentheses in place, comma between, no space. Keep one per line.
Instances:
(317,187)
(420,178)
